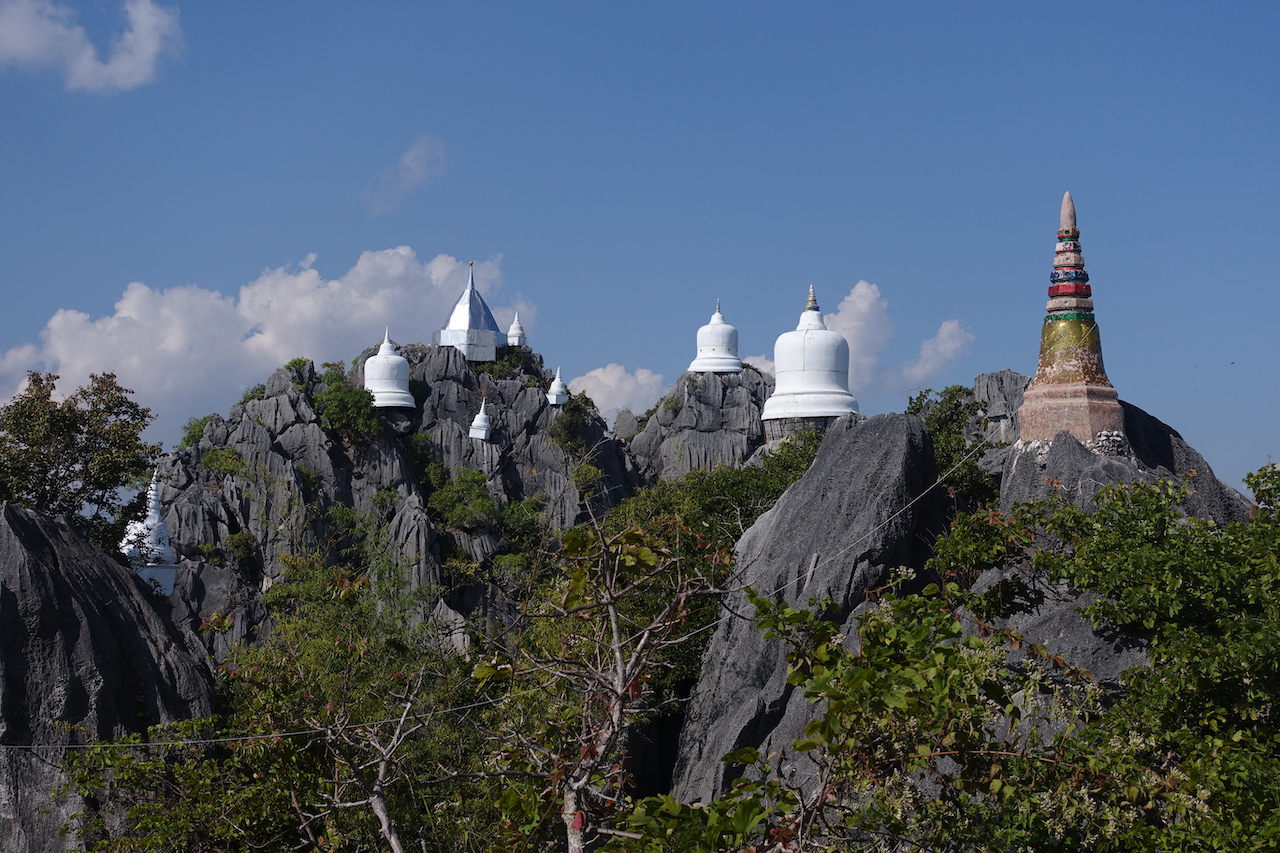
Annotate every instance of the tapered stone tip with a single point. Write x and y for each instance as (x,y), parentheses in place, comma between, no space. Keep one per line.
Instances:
(1067,219)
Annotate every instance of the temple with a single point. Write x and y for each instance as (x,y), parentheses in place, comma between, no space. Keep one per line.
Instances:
(515,335)
(717,347)
(1070,390)
(471,328)
(146,544)
(482,424)
(812,372)
(558,395)
(386,376)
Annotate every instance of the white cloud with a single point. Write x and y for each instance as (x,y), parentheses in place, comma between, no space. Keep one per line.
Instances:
(761,362)
(423,161)
(951,340)
(863,318)
(43,34)
(188,350)
(613,387)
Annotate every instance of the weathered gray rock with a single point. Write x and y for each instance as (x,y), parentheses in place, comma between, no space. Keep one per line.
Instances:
(86,652)
(272,470)
(1001,395)
(1068,468)
(707,419)
(864,508)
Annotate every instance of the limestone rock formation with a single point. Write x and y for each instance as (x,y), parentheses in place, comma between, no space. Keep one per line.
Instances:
(862,510)
(86,652)
(708,419)
(257,484)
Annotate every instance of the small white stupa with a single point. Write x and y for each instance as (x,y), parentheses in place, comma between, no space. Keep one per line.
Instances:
(471,328)
(812,373)
(146,544)
(386,376)
(559,393)
(515,335)
(717,347)
(482,425)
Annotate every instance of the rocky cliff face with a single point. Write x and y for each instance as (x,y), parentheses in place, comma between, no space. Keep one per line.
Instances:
(708,419)
(864,508)
(259,483)
(86,652)
(1153,450)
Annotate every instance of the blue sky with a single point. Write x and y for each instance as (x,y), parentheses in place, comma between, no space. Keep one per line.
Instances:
(195,193)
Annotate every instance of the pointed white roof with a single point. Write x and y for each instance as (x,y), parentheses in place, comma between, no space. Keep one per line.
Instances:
(470,311)
(559,393)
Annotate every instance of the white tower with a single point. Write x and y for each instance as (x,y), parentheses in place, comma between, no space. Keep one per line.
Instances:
(717,347)
(386,376)
(482,425)
(515,335)
(471,328)
(812,365)
(559,393)
(146,544)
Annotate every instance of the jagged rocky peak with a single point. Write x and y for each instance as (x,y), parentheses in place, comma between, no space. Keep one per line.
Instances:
(707,419)
(1145,450)
(87,651)
(257,485)
(865,508)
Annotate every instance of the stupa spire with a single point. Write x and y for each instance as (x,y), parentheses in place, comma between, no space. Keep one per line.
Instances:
(1071,390)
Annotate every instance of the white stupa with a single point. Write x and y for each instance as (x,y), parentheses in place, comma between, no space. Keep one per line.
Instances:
(559,393)
(471,328)
(515,335)
(146,544)
(812,373)
(717,347)
(386,376)
(482,425)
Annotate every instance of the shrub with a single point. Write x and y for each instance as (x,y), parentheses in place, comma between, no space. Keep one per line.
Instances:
(243,546)
(571,430)
(254,393)
(346,410)
(296,363)
(509,363)
(193,431)
(222,460)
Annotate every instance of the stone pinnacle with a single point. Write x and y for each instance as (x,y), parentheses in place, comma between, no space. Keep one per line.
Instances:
(1067,218)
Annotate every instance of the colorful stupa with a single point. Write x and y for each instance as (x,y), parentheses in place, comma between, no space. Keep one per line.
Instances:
(1070,391)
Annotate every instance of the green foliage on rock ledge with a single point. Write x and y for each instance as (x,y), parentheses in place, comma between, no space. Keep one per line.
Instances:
(345,409)
(948,416)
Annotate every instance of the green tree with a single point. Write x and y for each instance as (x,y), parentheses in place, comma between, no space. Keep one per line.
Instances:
(950,416)
(931,736)
(73,456)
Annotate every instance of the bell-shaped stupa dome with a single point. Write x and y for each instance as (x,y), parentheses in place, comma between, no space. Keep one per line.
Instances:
(717,347)
(515,334)
(386,376)
(559,393)
(812,377)
(482,424)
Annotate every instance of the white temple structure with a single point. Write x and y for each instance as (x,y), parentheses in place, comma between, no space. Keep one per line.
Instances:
(146,544)
(515,335)
(482,425)
(812,373)
(386,376)
(717,347)
(559,393)
(471,328)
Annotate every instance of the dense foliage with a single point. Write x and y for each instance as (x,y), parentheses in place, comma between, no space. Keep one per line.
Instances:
(73,456)
(344,408)
(957,445)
